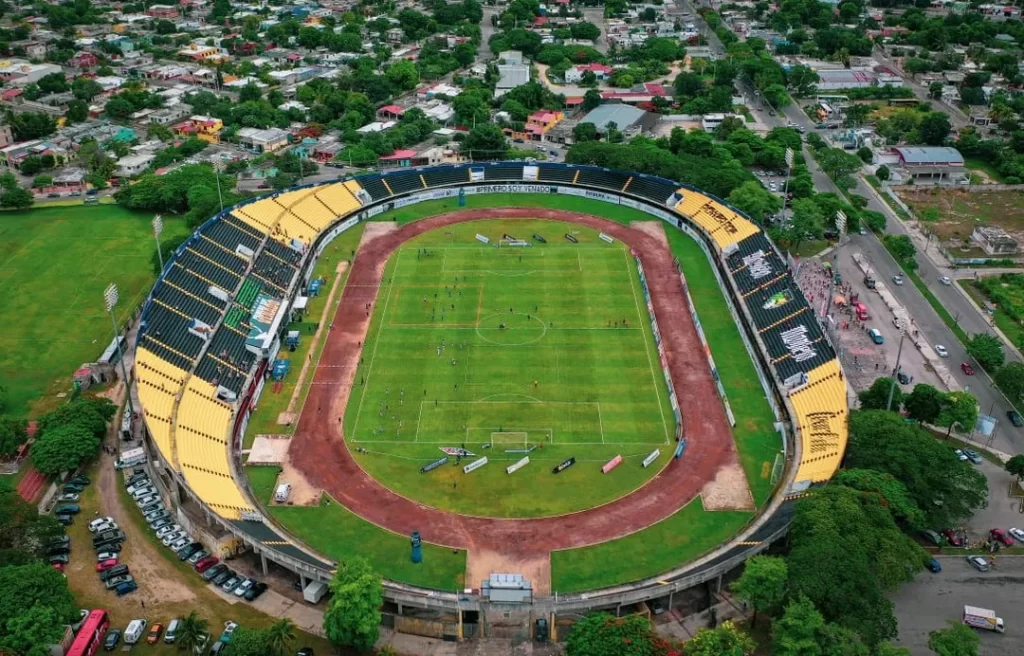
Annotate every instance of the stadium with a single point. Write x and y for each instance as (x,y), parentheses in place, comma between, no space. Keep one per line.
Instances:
(579,388)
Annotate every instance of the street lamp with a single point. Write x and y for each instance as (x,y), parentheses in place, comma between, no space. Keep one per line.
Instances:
(785,188)
(901,324)
(110,300)
(220,196)
(158,229)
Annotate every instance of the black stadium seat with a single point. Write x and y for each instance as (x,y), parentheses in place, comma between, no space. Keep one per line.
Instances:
(610,180)
(373,186)
(447,175)
(403,181)
(651,189)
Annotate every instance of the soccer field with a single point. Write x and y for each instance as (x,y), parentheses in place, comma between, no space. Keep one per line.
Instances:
(545,348)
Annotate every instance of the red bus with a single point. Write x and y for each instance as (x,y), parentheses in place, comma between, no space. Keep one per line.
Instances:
(90,636)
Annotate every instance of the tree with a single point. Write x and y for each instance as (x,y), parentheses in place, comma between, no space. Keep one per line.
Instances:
(724,640)
(601,634)
(31,125)
(987,350)
(89,412)
(1010,379)
(13,434)
(836,162)
(85,88)
(876,397)
(882,172)
(892,493)
(63,449)
(78,111)
(53,83)
(192,632)
(31,632)
(39,585)
(795,633)
(249,642)
(31,165)
(485,142)
(1015,466)
(841,524)
(23,531)
(955,640)
(901,248)
(352,618)
(280,636)
(946,489)
(16,198)
(403,75)
(752,198)
(591,99)
(763,583)
(923,404)
(865,155)
(934,128)
(807,221)
(585,132)
(935,90)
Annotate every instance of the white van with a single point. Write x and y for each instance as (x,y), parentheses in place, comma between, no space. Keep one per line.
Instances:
(134,632)
(282,493)
(172,632)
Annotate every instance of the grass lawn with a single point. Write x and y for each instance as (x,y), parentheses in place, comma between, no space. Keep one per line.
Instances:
(275,401)
(682,537)
(89,591)
(501,350)
(337,533)
(55,264)
(960,212)
(1004,321)
(975,164)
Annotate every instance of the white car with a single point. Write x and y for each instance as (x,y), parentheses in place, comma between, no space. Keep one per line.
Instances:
(167,530)
(69,497)
(145,501)
(897,279)
(960,455)
(171,538)
(946,280)
(99,521)
(1017,534)
(105,555)
(108,526)
(178,544)
(941,350)
(143,492)
(243,587)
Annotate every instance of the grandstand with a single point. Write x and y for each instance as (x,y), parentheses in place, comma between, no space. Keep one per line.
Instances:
(213,319)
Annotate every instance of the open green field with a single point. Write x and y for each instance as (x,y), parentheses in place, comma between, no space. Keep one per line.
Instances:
(54,266)
(503,350)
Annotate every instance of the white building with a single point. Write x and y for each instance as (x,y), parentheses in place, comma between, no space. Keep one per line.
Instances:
(132,165)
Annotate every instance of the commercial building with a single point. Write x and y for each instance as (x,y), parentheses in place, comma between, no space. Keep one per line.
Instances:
(627,119)
(206,128)
(20,73)
(931,163)
(263,141)
(132,165)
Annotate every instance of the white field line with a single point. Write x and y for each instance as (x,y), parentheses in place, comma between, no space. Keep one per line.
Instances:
(647,344)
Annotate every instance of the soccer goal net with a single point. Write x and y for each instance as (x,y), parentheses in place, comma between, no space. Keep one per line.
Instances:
(509,241)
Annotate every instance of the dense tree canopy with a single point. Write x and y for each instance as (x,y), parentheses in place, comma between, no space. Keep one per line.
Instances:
(352,618)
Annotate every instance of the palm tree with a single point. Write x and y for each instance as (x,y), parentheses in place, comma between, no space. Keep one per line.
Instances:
(280,636)
(192,632)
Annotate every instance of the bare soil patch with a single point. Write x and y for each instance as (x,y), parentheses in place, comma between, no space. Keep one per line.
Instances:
(653,228)
(728,490)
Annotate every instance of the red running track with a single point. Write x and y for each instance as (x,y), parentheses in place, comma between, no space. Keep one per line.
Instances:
(319,451)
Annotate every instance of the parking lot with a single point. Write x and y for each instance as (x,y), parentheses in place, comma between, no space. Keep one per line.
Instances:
(933,599)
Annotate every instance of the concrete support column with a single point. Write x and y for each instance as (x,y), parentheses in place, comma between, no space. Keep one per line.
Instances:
(399,608)
(302,580)
(263,562)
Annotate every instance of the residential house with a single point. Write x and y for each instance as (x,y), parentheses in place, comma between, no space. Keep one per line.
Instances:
(33,49)
(512,76)
(164,12)
(390,112)
(72,179)
(202,53)
(994,240)
(83,59)
(205,128)
(575,74)
(410,158)
(627,119)
(263,141)
(132,165)
(540,122)
(6,136)
(20,73)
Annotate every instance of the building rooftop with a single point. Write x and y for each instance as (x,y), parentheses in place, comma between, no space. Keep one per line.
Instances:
(622,116)
(929,155)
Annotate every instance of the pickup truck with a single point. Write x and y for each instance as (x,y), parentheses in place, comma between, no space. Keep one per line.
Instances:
(983,618)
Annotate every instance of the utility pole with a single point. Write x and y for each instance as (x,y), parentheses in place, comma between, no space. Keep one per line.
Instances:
(902,326)
(220,196)
(110,301)
(785,188)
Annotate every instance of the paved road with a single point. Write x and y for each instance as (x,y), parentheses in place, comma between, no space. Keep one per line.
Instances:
(956,117)
(926,320)
(931,600)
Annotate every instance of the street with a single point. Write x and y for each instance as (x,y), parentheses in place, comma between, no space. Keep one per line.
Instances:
(931,327)
(932,600)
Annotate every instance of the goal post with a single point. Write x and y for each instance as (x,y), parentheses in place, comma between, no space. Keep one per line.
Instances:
(507,242)
(509,439)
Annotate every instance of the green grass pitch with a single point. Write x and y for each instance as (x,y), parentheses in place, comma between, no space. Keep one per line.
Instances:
(500,349)
(54,266)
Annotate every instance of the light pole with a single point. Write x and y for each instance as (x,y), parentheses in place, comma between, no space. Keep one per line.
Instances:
(902,325)
(110,300)
(785,188)
(158,229)
(220,196)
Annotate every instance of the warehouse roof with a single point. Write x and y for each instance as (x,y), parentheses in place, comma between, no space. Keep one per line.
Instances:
(623,116)
(929,155)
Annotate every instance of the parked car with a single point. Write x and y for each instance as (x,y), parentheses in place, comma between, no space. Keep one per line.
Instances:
(134,631)
(197,556)
(65,520)
(80,479)
(103,528)
(59,541)
(973,456)
(61,559)
(113,637)
(934,566)
(169,538)
(1017,533)
(147,500)
(68,497)
(59,549)
(106,536)
(112,546)
(904,378)
(164,531)
(203,565)
(115,581)
(967,368)
(255,591)
(106,555)
(231,583)
(224,575)
(946,280)
(876,336)
(978,563)
(172,632)
(213,570)
(143,491)
(999,535)
(72,487)
(960,455)
(126,588)
(243,587)
(897,279)
(154,633)
(229,628)
(160,522)
(68,509)
(117,570)
(188,550)
(954,538)
(104,565)
(941,350)
(174,546)
(1015,418)
(152,505)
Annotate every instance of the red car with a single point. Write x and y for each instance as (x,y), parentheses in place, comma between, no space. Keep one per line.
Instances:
(967,368)
(106,564)
(954,538)
(59,567)
(206,563)
(1000,535)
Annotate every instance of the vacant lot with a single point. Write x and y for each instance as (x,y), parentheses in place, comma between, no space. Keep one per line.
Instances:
(54,266)
(953,214)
